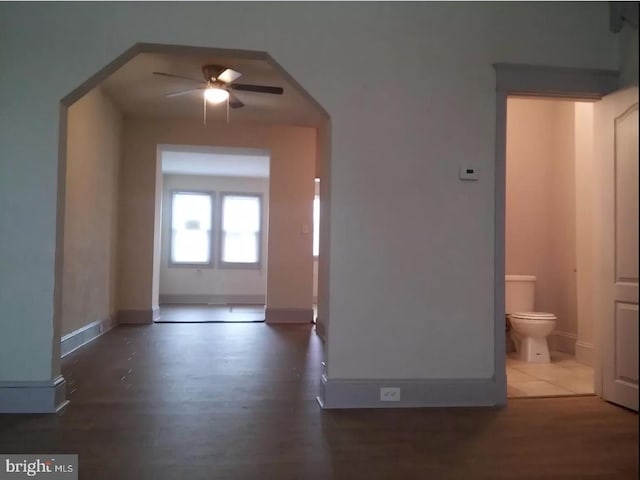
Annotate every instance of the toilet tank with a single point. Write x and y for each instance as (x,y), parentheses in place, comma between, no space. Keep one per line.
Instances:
(519,293)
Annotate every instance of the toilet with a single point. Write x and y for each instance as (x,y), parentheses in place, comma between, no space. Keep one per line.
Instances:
(530,329)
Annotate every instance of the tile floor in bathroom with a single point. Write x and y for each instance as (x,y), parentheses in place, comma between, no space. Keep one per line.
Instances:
(562,377)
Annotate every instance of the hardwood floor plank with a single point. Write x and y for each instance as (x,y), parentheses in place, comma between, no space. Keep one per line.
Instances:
(237,401)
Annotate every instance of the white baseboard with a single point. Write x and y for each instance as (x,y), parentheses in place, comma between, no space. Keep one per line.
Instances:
(289,315)
(585,353)
(412,393)
(321,330)
(33,397)
(76,339)
(169,298)
(564,342)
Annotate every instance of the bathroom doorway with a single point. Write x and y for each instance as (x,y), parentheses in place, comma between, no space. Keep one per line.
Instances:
(548,247)
(613,220)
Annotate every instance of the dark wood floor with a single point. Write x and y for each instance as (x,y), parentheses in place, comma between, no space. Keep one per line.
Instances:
(237,401)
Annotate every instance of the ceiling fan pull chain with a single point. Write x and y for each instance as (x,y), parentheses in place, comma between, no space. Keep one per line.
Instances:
(204,110)
(227,110)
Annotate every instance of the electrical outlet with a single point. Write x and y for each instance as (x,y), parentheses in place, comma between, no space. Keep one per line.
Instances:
(468,172)
(390,394)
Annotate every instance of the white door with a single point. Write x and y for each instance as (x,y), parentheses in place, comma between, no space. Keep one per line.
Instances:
(616,217)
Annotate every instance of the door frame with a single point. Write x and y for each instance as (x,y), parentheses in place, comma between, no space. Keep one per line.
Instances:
(577,84)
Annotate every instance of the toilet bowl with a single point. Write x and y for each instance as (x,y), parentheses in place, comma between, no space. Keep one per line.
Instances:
(529,329)
(529,334)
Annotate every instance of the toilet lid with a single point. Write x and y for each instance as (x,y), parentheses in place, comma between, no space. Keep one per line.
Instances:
(534,316)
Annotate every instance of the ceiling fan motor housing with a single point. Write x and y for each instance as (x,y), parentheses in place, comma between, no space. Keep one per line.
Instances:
(211,72)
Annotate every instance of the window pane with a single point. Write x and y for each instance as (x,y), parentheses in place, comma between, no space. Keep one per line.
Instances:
(240,228)
(240,248)
(316,226)
(191,228)
(190,247)
(241,214)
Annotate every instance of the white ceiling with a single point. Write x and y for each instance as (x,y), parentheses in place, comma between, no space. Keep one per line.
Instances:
(137,91)
(221,162)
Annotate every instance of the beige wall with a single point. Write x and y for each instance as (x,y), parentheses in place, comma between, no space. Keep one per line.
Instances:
(322,292)
(291,190)
(157,232)
(563,223)
(136,223)
(585,228)
(540,204)
(93,154)
(213,281)
(292,169)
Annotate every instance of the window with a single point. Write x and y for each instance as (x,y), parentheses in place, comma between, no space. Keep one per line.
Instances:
(316,225)
(241,219)
(191,215)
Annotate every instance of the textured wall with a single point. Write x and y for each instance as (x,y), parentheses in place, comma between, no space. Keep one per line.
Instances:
(90,229)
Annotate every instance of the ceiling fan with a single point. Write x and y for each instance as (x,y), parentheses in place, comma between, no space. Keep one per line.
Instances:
(218,86)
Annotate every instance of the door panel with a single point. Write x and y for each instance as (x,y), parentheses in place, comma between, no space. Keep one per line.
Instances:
(626,195)
(616,150)
(626,355)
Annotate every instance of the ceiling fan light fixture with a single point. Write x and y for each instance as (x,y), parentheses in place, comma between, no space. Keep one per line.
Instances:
(216,95)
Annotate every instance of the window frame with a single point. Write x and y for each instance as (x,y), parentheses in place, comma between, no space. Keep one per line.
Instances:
(257,265)
(211,263)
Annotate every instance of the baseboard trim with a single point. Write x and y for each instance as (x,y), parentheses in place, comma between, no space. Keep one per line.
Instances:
(137,317)
(33,397)
(76,339)
(413,393)
(166,299)
(289,315)
(563,342)
(585,353)
(321,330)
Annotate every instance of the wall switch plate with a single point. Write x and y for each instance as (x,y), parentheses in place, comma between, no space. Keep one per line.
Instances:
(390,394)
(468,172)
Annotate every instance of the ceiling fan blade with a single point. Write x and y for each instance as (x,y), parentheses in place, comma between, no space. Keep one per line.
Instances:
(234,102)
(171,75)
(212,72)
(256,88)
(229,76)
(183,92)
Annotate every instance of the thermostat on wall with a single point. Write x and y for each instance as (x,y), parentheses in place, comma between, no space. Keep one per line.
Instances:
(468,172)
